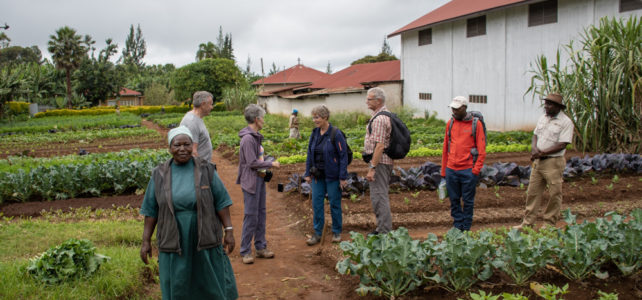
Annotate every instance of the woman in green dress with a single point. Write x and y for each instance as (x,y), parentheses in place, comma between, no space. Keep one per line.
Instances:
(187,201)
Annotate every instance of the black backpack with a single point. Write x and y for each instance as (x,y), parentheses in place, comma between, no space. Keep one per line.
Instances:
(476,116)
(333,134)
(399,136)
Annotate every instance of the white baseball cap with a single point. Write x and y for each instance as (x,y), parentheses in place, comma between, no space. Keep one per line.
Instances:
(458,102)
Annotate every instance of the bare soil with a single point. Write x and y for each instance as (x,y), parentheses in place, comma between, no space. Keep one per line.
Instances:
(302,272)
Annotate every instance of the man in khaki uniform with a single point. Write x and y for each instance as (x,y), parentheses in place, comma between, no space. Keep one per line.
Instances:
(553,132)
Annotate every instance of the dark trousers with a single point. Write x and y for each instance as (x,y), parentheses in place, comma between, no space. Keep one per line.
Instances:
(254,219)
(461,191)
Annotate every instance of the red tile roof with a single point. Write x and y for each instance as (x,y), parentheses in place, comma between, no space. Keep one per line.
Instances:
(128,92)
(453,10)
(354,76)
(296,74)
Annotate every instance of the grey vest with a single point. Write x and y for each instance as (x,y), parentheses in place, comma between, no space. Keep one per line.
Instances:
(210,228)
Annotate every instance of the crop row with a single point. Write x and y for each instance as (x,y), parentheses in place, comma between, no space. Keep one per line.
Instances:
(427,134)
(91,175)
(393,264)
(428,175)
(87,135)
(66,123)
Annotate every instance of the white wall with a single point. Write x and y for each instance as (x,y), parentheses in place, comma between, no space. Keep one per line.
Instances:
(496,64)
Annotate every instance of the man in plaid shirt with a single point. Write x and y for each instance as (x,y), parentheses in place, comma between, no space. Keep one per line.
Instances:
(380,167)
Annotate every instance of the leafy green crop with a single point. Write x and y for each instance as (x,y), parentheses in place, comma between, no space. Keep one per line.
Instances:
(72,259)
(624,247)
(582,250)
(67,123)
(389,264)
(112,173)
(522,255)
(462,259)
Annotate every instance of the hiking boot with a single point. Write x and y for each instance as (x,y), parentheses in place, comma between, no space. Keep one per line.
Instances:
(336,238)
(264,253)
(313,240)
(248,259)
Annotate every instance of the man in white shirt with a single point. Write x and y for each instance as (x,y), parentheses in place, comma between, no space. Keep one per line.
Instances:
(553,132)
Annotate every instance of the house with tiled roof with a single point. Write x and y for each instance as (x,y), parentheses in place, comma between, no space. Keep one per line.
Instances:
(343,91)
(483,49)
(283,82)
(126,97)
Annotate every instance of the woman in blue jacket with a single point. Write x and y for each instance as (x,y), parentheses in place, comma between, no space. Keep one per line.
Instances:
(326,170)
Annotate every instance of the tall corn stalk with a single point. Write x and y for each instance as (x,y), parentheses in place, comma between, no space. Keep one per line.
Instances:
(601,84)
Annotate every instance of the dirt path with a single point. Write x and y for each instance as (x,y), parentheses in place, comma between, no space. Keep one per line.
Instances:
(296,271)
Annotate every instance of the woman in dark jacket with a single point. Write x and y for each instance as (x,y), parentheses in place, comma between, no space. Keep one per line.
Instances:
(191,244)
(326,169)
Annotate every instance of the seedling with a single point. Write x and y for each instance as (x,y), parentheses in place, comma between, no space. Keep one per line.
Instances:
(521,186)
(615,178)
(548,291)
(610,187)
(415,195)
(593,180)
(497,192)
(406,200)
(354,198)
(482,296)
(607,296)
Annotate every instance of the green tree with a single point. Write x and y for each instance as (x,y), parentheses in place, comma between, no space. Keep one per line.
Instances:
(98,78)
(210,75)
(159,94)
(135,48)
(384,55)
(273,70)
(16,55)
(4,40)
(601,84)
(385,48)
(68,50)
(207,50)
(239,96)
(328,68)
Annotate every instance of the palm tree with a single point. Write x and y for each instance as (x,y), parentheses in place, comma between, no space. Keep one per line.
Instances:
(68,50)
(208,50)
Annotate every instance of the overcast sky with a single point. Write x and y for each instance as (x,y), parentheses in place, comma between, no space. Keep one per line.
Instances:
(278,31)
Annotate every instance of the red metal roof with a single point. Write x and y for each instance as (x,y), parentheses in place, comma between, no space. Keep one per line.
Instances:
(128,92)
(295,74)
(354,75)
(453,10)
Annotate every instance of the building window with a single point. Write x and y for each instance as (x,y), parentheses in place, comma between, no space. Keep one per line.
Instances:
(476,26)
(425,37)
(542,13)
(483,99)
(425,96)
(627,5)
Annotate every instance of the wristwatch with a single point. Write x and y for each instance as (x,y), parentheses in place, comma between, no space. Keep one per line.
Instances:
(371,166)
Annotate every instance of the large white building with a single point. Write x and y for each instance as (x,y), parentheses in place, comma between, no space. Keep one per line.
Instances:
(483,49)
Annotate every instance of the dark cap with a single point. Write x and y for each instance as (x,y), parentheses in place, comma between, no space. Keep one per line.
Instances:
(557,98)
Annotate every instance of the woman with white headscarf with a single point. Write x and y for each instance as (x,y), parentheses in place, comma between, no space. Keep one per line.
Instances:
(187,201)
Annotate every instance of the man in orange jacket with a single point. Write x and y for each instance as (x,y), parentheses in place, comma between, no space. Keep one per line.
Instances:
(461,161)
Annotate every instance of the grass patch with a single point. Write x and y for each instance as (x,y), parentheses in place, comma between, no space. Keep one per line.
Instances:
(122,277)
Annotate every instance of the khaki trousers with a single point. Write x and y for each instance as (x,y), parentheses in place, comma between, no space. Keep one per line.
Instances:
(545,172)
